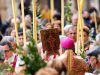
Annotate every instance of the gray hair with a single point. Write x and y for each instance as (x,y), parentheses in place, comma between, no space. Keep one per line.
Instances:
(9,38)
(67,27)
(75,15)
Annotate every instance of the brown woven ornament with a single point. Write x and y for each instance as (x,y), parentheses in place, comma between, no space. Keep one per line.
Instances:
(78,67)
(50,40)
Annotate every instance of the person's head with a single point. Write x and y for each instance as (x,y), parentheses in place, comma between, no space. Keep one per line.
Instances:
(57,25)
(66,29)
(74,19)
(94,57)
(95,64)
(7,47)
(72,32)
(86,33)
(46,7)
(92,8)
(86,14)
(12,22)
(93,60)
(68,44)
(48,26)
(28,20)
(20,38)
(47,71)
(57,17)
(11,40)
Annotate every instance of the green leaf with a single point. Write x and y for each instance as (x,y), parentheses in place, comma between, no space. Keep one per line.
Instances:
(33,61)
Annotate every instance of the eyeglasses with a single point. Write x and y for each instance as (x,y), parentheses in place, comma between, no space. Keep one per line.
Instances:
(6,51)
(72,33)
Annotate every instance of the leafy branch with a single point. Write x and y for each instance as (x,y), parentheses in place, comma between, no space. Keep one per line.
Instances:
(33,61)
(68,12)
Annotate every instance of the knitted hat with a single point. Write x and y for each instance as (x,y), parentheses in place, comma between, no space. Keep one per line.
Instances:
(67,43)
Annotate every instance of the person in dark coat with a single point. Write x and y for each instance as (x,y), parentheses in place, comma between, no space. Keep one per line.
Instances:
(94,59)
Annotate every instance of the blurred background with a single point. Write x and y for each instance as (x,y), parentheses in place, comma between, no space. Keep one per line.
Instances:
(6,6)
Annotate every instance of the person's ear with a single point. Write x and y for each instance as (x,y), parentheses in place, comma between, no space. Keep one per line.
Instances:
(95,60)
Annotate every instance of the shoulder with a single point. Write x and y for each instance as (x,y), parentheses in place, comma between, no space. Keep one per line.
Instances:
(81,63)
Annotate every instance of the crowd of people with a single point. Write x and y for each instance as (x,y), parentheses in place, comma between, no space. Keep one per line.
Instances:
(59,64)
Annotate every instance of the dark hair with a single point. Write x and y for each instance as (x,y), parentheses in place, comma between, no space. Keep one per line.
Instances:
(20,30)
(86,31)
(0,37)
(6,43)
(2,43)
(57,16)
(91,10)
(20,34)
